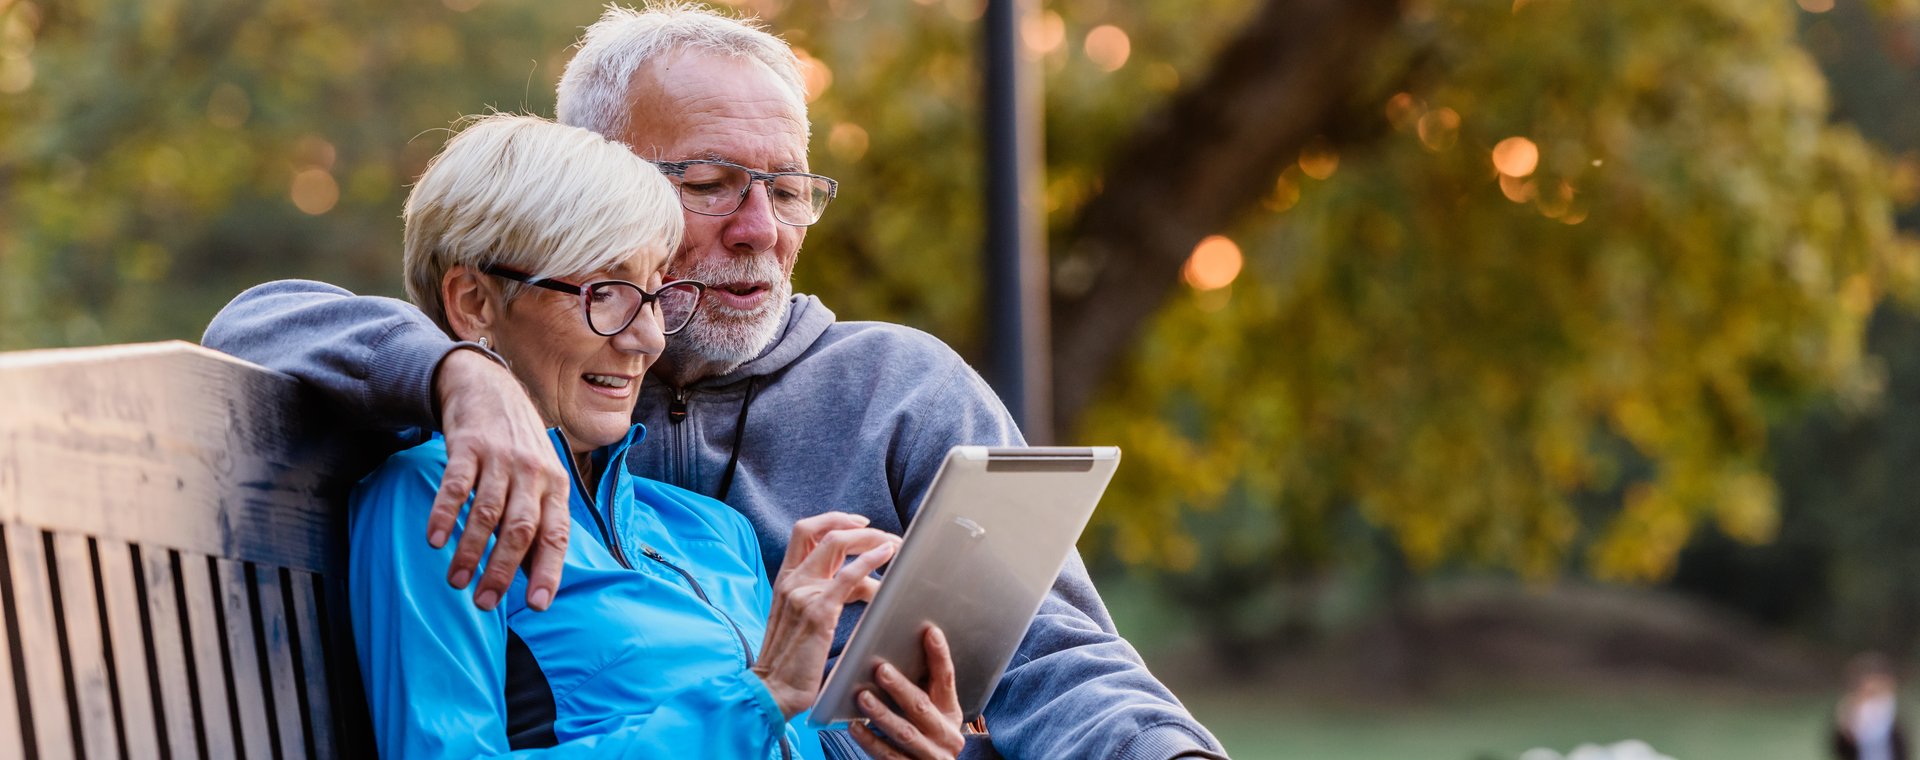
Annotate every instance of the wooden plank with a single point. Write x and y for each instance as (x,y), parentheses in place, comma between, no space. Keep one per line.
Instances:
(169,445)
(86,645)
(173,700)
(249,684)
(33,600)
(129,644)
(207,633)
(351,717)
(313,662)
(278,634)
(12,743)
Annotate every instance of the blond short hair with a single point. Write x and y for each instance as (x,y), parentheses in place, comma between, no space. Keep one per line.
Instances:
(544,198)
(596,90)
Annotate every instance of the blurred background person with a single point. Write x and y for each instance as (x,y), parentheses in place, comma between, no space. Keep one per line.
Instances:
(1866,724)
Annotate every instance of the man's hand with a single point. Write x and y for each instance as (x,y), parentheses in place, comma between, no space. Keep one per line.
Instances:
(815,581)
(928,724)
(498,451)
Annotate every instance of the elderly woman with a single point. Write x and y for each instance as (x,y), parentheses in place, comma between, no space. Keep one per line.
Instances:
(548,245)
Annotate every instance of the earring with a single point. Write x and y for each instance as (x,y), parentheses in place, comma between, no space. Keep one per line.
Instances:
(486,344)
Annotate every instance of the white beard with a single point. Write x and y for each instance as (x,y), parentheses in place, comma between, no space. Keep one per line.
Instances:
(720,339)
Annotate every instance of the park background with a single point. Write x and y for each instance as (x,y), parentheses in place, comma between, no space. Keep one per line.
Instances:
(1492,374)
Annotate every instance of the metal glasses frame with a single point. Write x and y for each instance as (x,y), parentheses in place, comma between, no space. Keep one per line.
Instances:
(679,169)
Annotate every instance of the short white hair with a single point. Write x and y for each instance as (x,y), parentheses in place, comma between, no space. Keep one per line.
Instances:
(543,198)
(596,90)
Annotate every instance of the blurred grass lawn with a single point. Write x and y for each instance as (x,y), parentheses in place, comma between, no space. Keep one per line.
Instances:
(1504,723)
(1478,716)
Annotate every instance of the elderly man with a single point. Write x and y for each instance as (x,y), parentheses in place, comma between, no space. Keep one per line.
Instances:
(765,402)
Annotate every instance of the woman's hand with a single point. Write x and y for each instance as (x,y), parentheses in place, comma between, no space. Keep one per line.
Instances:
(814,583)
(930,725)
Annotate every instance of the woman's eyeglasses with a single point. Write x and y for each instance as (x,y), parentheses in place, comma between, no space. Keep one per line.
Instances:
(612,305)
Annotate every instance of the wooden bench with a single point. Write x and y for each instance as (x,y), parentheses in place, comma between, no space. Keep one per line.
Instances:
(172,568)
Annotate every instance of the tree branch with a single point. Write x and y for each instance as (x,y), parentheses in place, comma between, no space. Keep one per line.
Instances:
(1288,76)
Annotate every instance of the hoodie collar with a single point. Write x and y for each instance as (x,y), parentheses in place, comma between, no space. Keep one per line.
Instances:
(807,319)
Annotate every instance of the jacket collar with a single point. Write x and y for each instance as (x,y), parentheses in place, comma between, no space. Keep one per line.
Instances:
(616,452)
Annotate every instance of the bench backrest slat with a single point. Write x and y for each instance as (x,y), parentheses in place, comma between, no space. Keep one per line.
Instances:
(44,708)
(126,639)
(174,561)
(85,655)
(174,693)
(11,742)
(243,657)
(314,645)
(206,626)
(277,644)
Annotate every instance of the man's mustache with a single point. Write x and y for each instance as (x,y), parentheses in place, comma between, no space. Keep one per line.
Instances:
(755,270)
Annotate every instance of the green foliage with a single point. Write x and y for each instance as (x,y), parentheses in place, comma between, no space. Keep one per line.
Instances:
(151,150)
(1695,253)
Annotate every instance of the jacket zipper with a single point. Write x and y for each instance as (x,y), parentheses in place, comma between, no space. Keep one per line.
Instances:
(619,555)
(655,555)
(593,508)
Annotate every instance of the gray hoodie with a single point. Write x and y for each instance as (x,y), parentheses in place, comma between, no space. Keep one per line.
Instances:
(850,416)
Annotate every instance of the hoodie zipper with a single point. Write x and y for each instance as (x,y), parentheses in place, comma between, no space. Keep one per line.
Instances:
(655,555)
(677,456)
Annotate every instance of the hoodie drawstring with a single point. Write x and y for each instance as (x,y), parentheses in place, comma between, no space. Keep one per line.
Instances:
(739,432)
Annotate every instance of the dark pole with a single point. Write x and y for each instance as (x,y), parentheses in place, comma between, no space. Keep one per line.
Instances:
(1019,365)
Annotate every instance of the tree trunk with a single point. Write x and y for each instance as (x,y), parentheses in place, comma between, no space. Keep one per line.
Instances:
(1288,76)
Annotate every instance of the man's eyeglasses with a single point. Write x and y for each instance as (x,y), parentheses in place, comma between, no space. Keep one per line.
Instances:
(716,188)
(612,305)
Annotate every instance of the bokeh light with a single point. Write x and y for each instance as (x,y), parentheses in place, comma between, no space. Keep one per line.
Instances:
(1108,47)
(1285,195)
(1439,128)
(815,73)
(847,141)
(1403,110)
(1044,32)
(1516,189)
(314,191)
(1555,201)
(1319,160)
(1214,263)
(1516,157)
(314,151)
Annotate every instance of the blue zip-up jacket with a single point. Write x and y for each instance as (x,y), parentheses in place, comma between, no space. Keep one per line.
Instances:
(645,652)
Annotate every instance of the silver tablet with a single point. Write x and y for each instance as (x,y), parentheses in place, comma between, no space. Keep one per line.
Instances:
(988,541)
